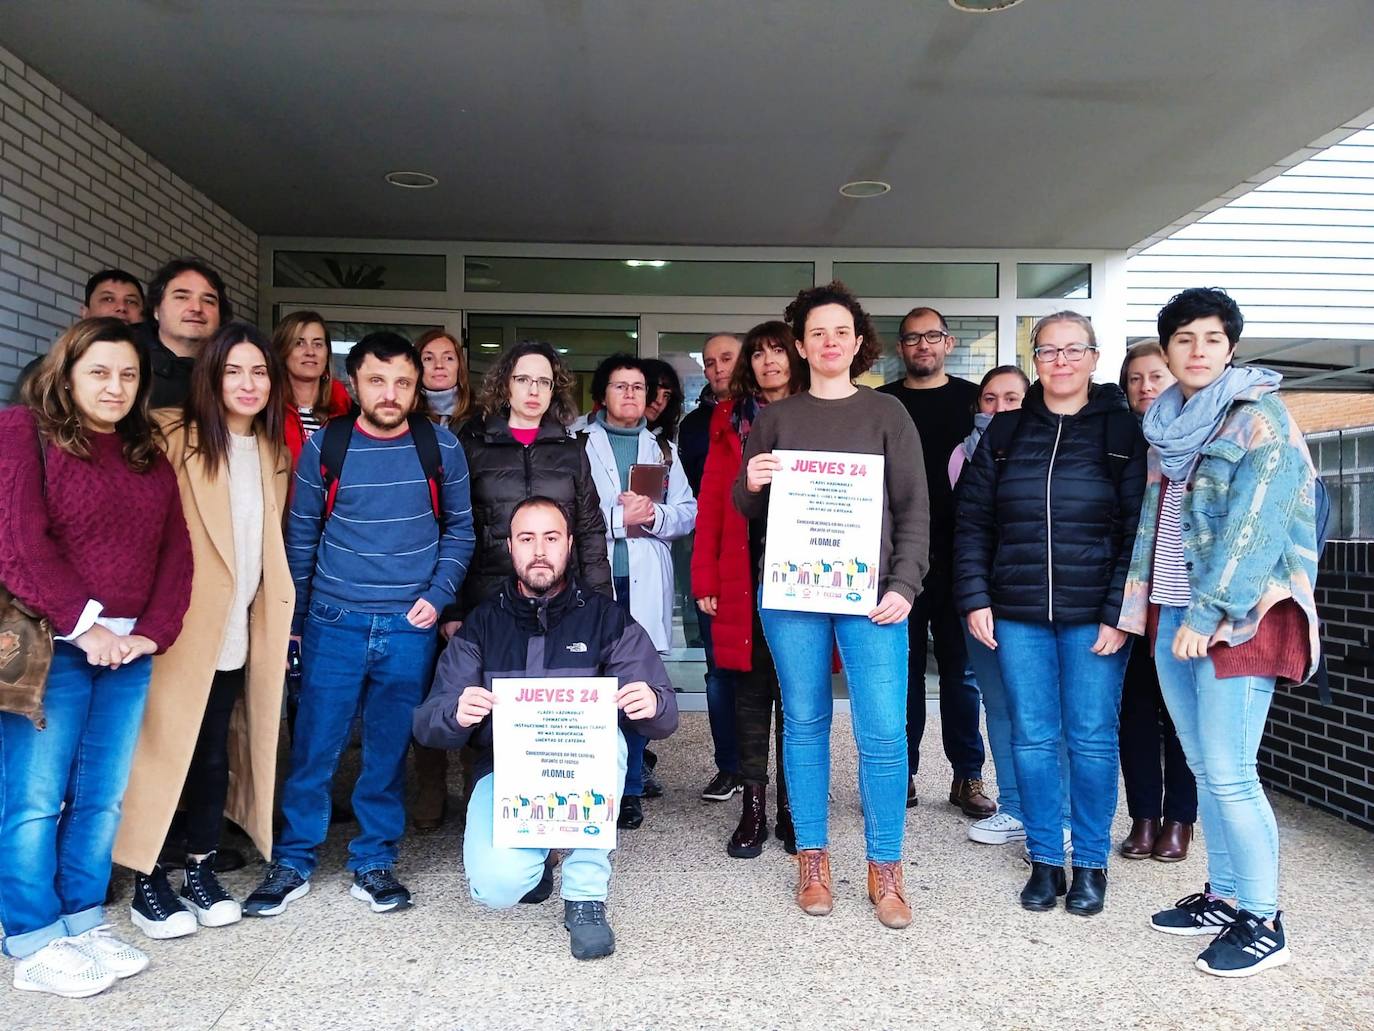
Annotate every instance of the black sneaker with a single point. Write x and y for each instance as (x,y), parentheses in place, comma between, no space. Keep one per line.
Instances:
(381,890)
(652,787)
(1202,913)
(722,787)
(1245,948)
(156,910)
(631,813)
(541,891)
(278,889)
(591,935)
(204,896)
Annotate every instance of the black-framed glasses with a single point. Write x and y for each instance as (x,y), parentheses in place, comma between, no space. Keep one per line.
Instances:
(930,336)
(1047,355)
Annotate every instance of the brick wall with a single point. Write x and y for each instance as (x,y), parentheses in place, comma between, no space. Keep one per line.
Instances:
(1324,754)
(75,197)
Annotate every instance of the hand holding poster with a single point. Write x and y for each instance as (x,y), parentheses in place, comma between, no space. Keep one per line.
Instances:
(555,774)
(825,532)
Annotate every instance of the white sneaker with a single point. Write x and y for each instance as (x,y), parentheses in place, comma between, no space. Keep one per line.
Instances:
(59,968)
(119,958)
(997,829)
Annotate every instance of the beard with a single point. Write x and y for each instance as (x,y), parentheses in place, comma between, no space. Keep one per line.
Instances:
(540,580)
(385,419)
(924,365)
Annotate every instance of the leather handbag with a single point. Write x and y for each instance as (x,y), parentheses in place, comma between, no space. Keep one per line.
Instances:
(25,647)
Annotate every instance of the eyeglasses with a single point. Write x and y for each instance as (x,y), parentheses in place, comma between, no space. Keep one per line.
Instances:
(542,383)
(1049,355)
(930,336)
(626,388)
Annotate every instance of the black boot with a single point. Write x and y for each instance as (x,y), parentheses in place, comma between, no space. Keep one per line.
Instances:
(1044,887)
(631,813)
(752,832)
(784,830)
(1088,893)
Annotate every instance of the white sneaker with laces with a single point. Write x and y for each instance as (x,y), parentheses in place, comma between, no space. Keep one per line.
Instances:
(59,968)
(997,829)
(119,958)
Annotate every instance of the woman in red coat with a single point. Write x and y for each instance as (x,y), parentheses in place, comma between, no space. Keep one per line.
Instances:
(315,396)
(725,575)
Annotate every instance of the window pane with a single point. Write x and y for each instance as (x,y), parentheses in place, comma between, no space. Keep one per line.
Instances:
(637,277)
(1071,280)
(683,351)
(918,279)
(974,354)
(356,271)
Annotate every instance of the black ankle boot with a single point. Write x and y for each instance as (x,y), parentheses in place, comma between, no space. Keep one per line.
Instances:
(1088,893)
(752,832)
(1044,887)
(784,830)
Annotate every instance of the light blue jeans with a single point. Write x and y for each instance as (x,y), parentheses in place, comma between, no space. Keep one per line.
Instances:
(1220,722)
(61,790)
(1058,691)
(988,673)
(500,877)
(874,660)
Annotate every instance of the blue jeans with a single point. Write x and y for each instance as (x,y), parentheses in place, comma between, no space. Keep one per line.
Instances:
(983,661)
(501,877)
(634,772)
(874,660)
(1220,722)
(1057,688)
(56,856)
(378,662)
(720,703)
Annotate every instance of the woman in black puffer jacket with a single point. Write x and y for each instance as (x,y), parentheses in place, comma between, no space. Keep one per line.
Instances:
(1047,512)
(518,447)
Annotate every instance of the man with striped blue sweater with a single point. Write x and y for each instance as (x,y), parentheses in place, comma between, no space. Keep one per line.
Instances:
(378,539)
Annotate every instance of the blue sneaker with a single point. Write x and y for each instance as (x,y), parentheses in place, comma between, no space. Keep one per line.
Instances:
(278,889)
(1245,948)
(1202,913)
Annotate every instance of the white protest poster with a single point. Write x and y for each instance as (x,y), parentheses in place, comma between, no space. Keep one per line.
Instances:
(825,533)
(555,748)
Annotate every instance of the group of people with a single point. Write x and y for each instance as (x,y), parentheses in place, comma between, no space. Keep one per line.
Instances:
(1120,573)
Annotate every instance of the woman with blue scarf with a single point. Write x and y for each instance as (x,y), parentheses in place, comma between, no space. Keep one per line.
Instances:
(1222,579)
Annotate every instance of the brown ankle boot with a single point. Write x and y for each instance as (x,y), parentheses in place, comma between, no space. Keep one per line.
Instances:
(971,798)
(1141,840)
(888,894)
(752,832)
(1171,846)
(813,882)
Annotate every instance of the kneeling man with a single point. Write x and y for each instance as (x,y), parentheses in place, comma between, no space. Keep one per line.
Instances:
(542,624)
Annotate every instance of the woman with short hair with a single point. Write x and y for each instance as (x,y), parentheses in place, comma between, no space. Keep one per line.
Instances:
(92,538)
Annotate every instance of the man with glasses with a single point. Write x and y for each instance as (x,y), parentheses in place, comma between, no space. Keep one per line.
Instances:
(639,529)
(942,407)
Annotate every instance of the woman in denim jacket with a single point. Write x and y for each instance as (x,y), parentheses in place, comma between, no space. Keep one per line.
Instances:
(1222,578)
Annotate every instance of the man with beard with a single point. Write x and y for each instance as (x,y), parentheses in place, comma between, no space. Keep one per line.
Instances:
(378,540)
(942,407)
(187,304)
(542,624)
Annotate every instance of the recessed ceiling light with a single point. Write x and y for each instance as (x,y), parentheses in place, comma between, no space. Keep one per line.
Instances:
(489,346)
(412,180)
(641,263)
(562,350)
(861,188)
(982,6)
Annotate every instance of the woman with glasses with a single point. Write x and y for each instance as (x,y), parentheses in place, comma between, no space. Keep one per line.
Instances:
(313,395)
(1222,580)
(1047,511)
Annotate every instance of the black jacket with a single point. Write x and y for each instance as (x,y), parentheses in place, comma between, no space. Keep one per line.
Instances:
(503,472)
(1046,535)
(694,438)
(576,633)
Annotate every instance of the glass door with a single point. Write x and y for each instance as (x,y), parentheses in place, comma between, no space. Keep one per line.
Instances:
(347,324)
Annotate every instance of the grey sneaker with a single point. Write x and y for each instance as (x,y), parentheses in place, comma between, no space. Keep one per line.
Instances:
(591,935)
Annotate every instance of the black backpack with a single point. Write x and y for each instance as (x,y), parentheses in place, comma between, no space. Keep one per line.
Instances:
(334,449)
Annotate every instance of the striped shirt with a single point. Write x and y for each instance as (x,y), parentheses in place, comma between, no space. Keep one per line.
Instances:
(380,549)
(310,422)
(1169,579)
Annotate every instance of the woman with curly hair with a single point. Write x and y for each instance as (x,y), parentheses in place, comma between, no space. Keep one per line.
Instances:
(93,539)
(836,339)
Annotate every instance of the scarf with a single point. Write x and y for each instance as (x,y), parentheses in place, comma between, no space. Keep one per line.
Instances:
(981,421)
(746,411)
(1179,430)
(441,402)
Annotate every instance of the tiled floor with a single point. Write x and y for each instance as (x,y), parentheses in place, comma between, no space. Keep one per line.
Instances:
(710,942)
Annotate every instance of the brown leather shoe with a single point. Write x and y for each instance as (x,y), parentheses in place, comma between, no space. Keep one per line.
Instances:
(1172,844)
(813,882)
(888,894)
(431,798)
(969,796)
(1141,840)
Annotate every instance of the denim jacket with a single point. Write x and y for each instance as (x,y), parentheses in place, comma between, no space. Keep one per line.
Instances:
(1248,527)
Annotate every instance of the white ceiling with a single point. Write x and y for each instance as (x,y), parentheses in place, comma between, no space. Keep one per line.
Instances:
(1077,123)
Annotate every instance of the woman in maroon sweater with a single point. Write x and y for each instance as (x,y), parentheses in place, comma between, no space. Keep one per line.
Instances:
(92,537)
(725,562)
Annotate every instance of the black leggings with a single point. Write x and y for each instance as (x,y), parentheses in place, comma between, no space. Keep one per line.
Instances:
(758,706)
(207,780)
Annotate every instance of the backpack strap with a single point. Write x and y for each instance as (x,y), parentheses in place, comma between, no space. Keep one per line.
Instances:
(333,450)
(426,440)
